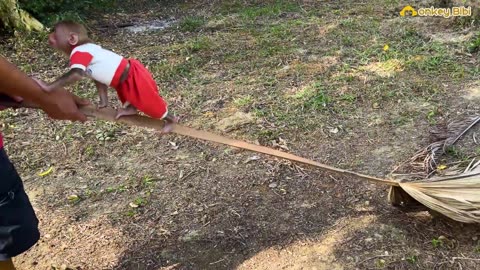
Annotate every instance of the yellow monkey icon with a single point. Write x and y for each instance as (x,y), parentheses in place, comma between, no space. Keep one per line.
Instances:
(408,8)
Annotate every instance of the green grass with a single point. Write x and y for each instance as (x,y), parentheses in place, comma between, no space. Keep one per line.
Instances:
(280,31)
(314,97)
(243,101)
(437,242)
(198,44)
(473,44)
(169,72)
(267,10)
(192,23)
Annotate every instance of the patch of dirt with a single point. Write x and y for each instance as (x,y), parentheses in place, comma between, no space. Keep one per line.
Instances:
(235,121)
(472,91)
(385,69)
(318,254)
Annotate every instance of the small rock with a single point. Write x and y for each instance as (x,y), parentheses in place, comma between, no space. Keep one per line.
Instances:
(273,185)
(475,238)
(368,240)
(367,203)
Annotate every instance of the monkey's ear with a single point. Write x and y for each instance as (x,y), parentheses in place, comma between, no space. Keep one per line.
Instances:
(73,39)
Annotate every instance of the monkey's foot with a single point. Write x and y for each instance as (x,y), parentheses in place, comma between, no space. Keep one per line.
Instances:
(130,110)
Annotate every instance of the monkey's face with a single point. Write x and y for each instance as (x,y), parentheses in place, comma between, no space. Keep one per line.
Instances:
(62,39)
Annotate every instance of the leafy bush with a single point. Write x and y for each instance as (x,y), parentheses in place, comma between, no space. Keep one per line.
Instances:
(48,12)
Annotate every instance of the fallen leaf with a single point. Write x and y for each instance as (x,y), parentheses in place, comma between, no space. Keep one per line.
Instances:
(73,198)
(252,158)
(133,205)
(174,145)
(281,143)
(209,114)
(333,130)
(47,172)
(442,167)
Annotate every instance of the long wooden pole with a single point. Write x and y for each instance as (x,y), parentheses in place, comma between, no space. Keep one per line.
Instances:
(108,114)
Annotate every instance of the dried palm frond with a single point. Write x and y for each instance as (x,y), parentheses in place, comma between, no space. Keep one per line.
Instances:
(455,194)
(447,136)
(458,199)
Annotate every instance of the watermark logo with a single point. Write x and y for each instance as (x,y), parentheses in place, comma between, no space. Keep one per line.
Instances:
(437,12)
(408,9)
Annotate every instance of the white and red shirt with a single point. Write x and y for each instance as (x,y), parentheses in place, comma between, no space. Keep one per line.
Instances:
(98,63)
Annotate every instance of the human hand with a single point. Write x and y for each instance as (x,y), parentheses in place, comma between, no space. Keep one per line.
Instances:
(42,84)
(10,99)
(63,105)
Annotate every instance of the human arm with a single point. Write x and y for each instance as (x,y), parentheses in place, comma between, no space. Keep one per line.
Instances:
(59,104)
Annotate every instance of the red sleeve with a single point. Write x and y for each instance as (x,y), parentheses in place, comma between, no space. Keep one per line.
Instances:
(80,60)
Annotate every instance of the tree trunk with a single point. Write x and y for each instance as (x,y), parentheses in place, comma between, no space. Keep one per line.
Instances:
(15,18)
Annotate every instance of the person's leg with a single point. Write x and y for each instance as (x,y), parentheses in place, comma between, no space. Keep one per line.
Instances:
(18,223)
(7,265)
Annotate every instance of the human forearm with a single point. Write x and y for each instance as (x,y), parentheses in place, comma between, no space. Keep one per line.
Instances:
(58,104)
(16,83)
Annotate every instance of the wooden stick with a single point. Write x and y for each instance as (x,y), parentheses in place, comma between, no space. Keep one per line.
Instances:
(108,114)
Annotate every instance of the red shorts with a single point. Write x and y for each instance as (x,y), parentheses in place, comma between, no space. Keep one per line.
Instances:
(140,90)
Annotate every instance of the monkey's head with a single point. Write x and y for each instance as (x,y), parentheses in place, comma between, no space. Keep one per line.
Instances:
(66,35)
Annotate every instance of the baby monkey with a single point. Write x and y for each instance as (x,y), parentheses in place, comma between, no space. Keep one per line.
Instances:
(134,84)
